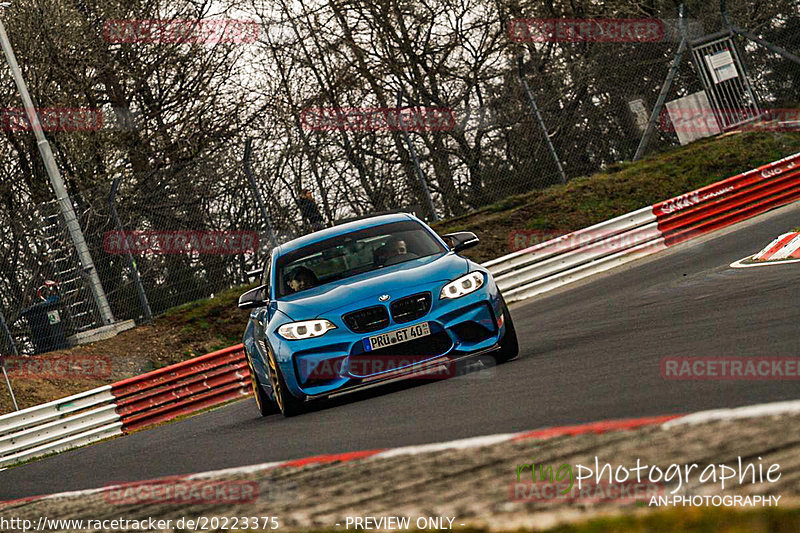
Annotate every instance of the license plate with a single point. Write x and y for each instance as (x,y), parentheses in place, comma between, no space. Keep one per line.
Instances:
(397,336)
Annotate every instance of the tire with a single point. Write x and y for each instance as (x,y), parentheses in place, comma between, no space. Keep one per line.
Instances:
(265,406)
(509,346)
(287,403)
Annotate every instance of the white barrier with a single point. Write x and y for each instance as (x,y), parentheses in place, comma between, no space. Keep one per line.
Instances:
(58,425)
(551,264)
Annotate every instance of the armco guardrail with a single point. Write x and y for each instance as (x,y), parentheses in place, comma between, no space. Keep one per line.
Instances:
(58,425)
(223,375)
(125,406)
(574,256)
(183,388)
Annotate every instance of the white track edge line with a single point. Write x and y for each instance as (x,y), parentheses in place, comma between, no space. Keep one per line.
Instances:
(460,444)
(740,263)
(733,413)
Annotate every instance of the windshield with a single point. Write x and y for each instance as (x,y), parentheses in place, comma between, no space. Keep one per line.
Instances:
(353,253)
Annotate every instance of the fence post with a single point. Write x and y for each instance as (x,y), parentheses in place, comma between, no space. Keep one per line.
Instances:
(553,153)
(57,182)
(248,170)
(8,384)
(662,96)
(13,348)
(148,314)
(423,182)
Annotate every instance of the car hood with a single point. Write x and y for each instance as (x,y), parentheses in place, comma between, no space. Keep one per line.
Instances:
(363,289)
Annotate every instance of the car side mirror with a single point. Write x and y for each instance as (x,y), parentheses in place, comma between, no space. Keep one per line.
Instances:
(461,240)
(253,298)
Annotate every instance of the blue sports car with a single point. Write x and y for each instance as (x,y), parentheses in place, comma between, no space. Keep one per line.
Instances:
(365,303)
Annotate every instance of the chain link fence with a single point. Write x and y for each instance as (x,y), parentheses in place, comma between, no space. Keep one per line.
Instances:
(370,137)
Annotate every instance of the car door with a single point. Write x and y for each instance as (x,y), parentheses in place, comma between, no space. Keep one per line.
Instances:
(255,339)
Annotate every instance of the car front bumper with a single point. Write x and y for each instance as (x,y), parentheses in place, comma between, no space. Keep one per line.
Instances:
(337,362)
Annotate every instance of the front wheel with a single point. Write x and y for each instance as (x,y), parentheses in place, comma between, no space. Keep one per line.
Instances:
(265,406)
(509,346)
(287,403)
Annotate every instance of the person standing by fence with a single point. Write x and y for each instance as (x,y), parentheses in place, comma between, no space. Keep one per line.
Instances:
(310,210)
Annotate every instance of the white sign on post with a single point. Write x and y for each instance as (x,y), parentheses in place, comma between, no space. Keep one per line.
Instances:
(639,113)
(53,317)
(721,66)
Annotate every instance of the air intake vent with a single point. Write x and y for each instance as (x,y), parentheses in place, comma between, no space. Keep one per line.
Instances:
(411,307)
(367,319)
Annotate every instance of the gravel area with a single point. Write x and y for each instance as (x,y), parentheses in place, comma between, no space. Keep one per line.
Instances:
(473,486)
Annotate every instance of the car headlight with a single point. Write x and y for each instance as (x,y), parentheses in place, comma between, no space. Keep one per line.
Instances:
(305,330)
(463,285)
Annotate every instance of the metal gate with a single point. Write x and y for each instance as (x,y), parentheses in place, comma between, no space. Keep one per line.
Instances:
(725,80)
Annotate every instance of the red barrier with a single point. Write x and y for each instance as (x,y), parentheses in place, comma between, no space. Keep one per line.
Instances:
(729,201)
(182,388)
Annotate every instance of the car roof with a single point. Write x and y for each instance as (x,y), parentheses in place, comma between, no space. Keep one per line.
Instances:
(341,229)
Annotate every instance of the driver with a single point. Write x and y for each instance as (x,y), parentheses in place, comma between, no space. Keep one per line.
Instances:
(396,251)
(301,278)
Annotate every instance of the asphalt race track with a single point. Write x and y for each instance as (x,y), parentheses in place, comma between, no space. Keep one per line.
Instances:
(589,352)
